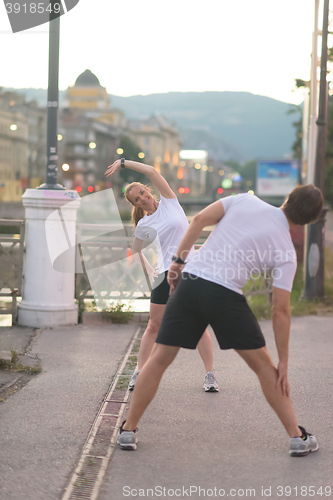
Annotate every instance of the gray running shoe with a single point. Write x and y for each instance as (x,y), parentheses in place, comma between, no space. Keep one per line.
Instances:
(133,380)
(301,447)
(127,440)
(210,383)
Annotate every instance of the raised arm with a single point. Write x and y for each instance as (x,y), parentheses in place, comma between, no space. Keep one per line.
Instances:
(281,327)
(157,179)
(209,216)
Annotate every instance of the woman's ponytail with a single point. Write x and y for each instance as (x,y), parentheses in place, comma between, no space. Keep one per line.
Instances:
(137,214)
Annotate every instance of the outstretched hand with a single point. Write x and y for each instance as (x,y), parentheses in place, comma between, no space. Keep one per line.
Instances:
(282,381)
(152,273)
(112,169)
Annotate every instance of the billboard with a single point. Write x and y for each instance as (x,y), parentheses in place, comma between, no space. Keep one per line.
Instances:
(277,177)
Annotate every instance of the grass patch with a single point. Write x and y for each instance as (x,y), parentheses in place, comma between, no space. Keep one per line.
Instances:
(118,313)
(14,356)
(34,370)
(300,307)
(123,382)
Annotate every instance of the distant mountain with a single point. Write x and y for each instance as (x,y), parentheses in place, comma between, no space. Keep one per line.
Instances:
(230,125)
(253,125)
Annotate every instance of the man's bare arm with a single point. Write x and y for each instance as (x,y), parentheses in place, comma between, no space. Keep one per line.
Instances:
(209,216)
(281,327)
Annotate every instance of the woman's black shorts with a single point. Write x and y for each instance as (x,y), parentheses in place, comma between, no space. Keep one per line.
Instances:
(160,294)
(197,303)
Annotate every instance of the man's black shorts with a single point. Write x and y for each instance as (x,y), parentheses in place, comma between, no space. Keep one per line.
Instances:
(197,303)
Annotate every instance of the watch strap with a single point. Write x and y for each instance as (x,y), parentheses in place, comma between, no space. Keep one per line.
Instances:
(178,260)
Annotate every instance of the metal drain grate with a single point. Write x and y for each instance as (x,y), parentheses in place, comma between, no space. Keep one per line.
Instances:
(86,479)
(97,451)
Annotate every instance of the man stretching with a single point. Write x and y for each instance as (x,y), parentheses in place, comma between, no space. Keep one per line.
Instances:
(250,237)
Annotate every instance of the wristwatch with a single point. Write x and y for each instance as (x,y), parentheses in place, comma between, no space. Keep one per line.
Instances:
(122,162)
(178,260)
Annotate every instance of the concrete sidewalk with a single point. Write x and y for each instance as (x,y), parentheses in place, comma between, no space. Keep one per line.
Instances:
(45,425)
(230,441)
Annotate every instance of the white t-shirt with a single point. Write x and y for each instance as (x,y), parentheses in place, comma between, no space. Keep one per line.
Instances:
(169,224)
(252,237)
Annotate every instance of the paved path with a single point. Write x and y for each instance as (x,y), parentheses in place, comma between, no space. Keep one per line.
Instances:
(230,441)
(44,426)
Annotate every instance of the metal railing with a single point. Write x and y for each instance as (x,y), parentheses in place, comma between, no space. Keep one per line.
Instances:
(103,265)
(11,265)
(105,260)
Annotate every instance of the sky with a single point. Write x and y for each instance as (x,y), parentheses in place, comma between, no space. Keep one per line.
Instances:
(154,46)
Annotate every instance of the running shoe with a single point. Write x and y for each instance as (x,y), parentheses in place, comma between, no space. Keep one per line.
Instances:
(127,440)
(133,380)
(300,447)
(210,383)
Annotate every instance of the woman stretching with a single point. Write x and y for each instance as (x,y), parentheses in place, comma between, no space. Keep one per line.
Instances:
(169,221)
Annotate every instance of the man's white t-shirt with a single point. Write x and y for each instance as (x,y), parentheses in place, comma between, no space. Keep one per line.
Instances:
(166,228)
(252,237)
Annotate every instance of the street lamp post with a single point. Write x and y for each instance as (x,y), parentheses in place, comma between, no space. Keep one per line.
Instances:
(52,103)
(315,233)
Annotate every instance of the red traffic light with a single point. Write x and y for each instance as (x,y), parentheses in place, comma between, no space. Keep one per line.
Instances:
(220,190)
(90,189)
(78,189)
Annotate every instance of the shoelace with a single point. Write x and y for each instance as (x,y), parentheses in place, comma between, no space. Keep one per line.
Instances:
(210,378)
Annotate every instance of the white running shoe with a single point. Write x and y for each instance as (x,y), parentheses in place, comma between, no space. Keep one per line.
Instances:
(133,380)
(210,383)
(300,447)
(127,440)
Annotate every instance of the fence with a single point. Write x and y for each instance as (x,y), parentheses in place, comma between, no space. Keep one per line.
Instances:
(105,267)
(11,264)
(106,270)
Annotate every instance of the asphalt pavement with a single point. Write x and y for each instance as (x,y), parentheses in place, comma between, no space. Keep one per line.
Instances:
(228,443)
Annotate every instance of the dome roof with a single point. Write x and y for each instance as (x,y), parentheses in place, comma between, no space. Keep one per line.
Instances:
(87,79)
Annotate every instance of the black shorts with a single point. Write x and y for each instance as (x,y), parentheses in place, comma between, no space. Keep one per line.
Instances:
(160,294)
(197,303)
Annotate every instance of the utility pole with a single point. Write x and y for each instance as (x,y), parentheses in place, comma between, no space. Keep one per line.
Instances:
(52,101)
(315,233)
(313,100)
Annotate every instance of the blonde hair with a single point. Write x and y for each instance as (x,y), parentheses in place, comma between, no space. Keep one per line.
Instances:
(137,212)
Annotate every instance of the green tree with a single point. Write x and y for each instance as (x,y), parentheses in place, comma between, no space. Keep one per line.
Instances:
(329,154)
(298,124)
(249,174)
(248,171)
(131,152)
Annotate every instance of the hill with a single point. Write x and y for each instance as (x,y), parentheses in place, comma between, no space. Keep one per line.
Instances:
(230,125)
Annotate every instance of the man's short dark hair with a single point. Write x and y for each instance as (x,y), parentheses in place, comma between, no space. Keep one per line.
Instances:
(304,204)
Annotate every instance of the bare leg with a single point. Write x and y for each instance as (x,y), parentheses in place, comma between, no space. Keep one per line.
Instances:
(261,363)
(148,381)
(149,337)
(205,348)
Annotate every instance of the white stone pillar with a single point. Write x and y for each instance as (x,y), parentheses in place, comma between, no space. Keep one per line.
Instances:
(48,284)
